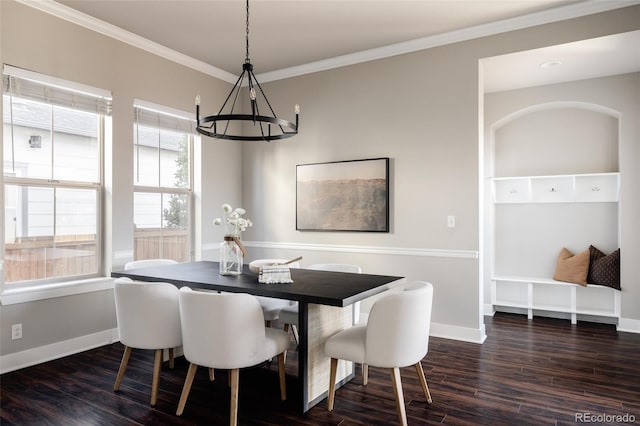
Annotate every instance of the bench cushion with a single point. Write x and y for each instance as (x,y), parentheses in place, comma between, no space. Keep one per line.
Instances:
(572,268)
(604,269)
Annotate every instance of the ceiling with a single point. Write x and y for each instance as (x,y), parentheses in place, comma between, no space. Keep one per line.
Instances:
(592,58)
(291,37)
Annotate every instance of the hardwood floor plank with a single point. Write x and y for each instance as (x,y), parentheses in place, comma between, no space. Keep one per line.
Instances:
(532,372)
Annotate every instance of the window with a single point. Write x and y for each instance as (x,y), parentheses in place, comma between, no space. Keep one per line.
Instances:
(53,133)
(163,141)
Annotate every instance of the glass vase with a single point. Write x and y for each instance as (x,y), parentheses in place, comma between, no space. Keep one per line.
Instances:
(230,256)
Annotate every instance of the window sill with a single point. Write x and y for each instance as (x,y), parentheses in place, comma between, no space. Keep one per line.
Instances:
(50,291)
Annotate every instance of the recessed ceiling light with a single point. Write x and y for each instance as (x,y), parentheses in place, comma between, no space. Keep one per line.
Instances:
(550,64)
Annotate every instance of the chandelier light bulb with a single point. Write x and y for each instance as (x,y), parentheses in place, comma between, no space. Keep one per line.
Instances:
(297,109)
(252,94)
(198,100)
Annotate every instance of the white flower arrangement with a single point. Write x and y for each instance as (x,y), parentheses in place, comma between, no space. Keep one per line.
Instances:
(232,221)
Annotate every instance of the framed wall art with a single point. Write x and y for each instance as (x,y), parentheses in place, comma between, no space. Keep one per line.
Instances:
(343,196)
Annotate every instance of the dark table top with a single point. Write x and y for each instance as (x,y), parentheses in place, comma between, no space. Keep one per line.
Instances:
(310,286)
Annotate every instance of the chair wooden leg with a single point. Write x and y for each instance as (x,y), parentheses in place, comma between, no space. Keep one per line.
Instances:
(294,331)
(171,363)
(423,382)
(188,381)
(332,383)
(283,383)
(123,367)
(397,390)
(286,330)
(155,383)
(235,375)
(212,375)
(365,374)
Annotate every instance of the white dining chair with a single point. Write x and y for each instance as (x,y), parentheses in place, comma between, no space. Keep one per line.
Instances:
(148,263)
(210,341)
(288,314)
(395,336)
(148,317)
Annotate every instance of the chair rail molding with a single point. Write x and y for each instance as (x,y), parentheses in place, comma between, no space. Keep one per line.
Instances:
(399,251)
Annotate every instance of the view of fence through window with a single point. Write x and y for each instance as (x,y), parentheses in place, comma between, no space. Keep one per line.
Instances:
(162,185)
(52,178)
(53,134)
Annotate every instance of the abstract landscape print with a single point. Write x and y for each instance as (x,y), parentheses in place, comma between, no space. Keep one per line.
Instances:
(343,196)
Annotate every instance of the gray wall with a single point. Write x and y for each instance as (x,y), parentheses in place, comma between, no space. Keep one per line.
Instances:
(408,108)
(421,109)
(58,48)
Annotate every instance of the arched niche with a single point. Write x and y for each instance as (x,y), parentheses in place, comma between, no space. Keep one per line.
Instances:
(556,138)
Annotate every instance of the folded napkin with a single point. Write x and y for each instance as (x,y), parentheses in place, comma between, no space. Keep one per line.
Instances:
(274,274)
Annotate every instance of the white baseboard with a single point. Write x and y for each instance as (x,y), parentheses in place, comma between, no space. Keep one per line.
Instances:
(454,332)
(29,357)
(34,356)
(626,325)
(446,331)
(488,310)
(629,325)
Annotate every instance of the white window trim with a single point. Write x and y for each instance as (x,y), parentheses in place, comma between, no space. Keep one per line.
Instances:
(57,82)
(142,104)
(52,290)
(23,293)
(138,103)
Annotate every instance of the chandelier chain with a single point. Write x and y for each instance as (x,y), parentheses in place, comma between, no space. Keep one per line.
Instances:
(247,35)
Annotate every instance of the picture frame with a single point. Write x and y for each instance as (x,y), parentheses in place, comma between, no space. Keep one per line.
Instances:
(349,196)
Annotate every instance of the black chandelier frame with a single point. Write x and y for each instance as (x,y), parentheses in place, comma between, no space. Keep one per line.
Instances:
(209,125)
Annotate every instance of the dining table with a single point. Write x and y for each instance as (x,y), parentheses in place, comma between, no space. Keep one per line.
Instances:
(325,305)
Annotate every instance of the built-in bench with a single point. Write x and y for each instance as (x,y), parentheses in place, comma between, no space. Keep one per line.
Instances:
(546,294)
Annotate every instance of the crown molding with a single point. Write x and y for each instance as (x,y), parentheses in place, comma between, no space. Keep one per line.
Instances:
(589,7)
(71,15)
(585,8)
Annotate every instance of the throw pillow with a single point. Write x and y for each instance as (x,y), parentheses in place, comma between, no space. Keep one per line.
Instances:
(572,268)
(604,269)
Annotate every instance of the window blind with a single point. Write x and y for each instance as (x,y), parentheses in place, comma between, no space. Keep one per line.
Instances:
(30,85)
(148,114)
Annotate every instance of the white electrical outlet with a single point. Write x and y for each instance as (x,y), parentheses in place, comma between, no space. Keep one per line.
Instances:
(16,331)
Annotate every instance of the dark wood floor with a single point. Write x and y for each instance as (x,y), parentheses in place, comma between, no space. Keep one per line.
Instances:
(540,372)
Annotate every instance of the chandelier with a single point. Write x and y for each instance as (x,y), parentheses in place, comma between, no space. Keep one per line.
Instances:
(266,127)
